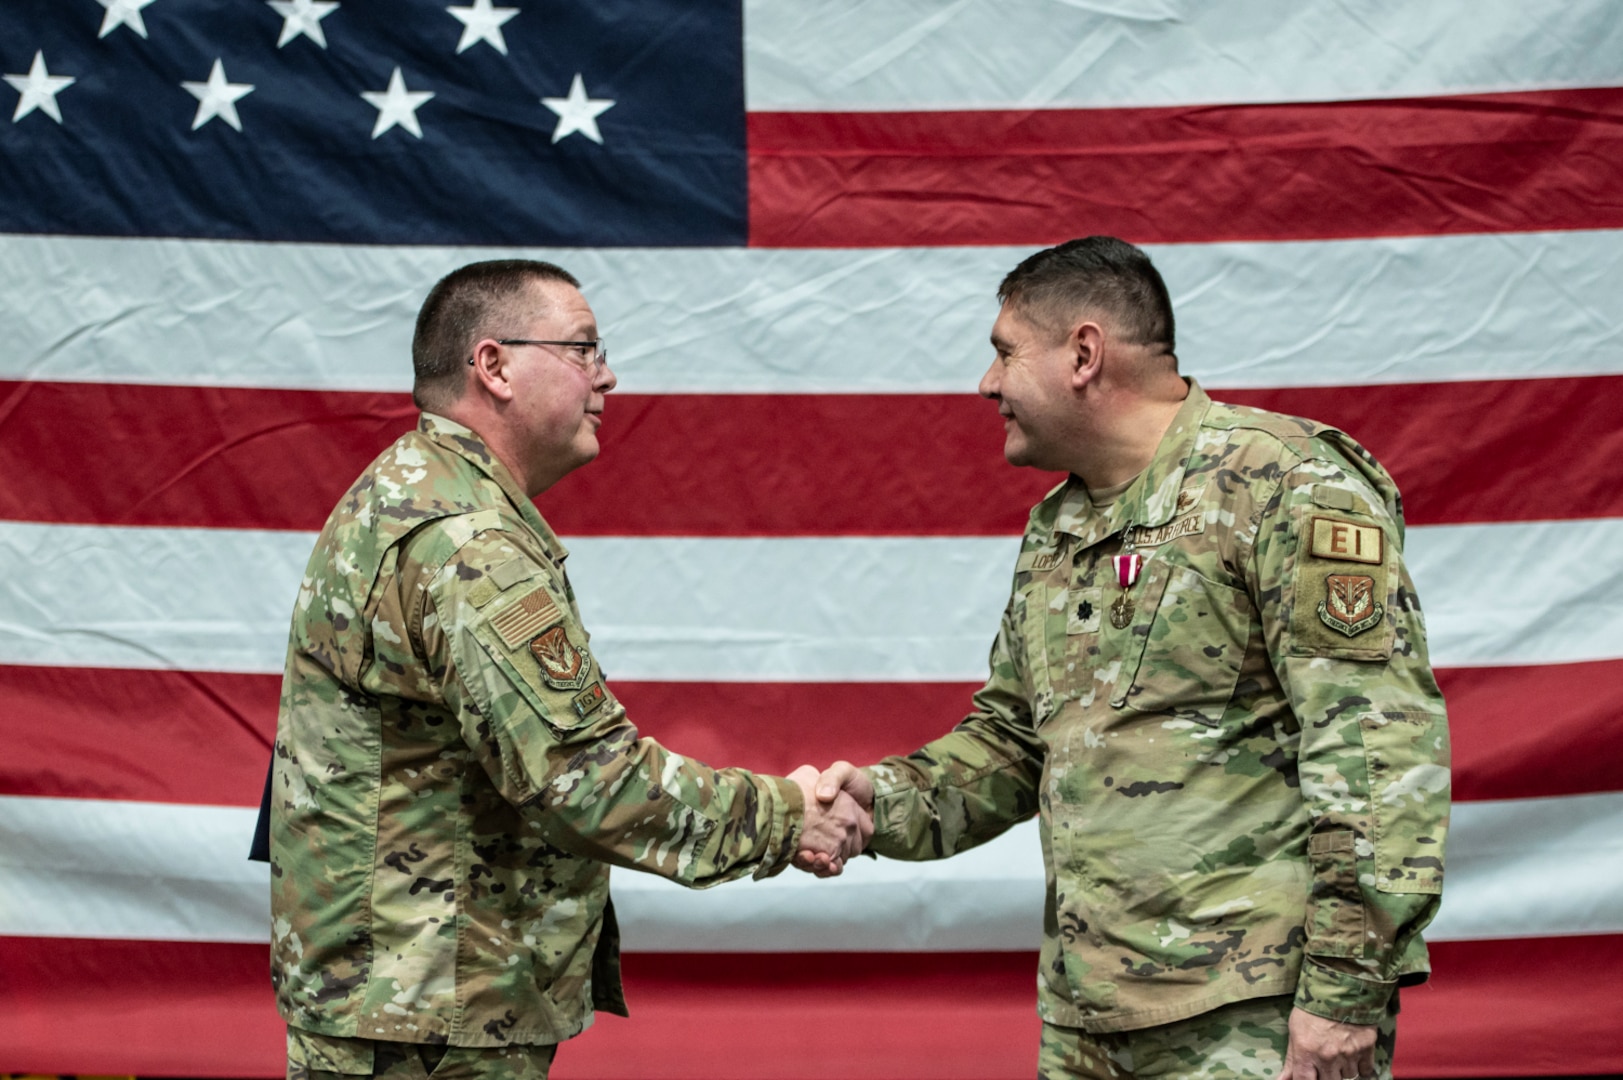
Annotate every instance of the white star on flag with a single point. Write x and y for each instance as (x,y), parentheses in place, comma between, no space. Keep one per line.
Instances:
(577,112)
(303,17)
(123,13)
(397,105)
(217,97)
(38,89)
(481,22)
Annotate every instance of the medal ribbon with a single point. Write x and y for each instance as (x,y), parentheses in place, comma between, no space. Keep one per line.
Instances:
(1127,568)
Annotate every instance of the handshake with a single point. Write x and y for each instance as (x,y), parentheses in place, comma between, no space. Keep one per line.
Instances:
(838,819)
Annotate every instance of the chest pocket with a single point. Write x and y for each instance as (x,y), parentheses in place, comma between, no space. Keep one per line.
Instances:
(1184,646)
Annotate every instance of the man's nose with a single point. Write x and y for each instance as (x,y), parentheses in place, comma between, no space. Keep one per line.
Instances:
(990,383)
(606,379)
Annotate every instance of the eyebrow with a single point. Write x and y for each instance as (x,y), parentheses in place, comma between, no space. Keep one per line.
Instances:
(1000,345)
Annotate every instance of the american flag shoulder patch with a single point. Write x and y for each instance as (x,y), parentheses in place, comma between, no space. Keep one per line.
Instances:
(524,617)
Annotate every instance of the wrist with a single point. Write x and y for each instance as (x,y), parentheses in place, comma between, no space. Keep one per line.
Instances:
(1341,996)
(786,809)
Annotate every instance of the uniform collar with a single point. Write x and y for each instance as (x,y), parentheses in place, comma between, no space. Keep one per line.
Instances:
(470,446)
(1152,498)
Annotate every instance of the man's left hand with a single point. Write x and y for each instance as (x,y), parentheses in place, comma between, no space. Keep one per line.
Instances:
(1321,1049)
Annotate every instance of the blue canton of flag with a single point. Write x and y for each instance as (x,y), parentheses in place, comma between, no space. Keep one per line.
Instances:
(376,121)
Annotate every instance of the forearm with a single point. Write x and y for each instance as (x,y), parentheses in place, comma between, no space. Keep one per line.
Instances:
(630,802)
(955,793)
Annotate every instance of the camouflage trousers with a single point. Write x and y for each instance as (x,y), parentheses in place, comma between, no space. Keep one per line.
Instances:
(324,1057)
(1242,1041)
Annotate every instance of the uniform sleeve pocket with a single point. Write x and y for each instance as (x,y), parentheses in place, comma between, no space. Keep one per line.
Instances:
(1407,754)
(1034,617)
(1184,653)
(1335,906)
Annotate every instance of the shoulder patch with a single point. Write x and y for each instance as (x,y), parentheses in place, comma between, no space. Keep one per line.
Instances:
(563,666)
(1341,588)
(1349,606)
(523,617)
(1346,541)
(589,700)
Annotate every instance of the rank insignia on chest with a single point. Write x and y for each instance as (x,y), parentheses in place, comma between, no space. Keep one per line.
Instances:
(1085,605)
(563,666)
(1349,605)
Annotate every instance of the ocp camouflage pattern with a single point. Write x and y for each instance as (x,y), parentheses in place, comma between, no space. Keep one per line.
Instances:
(446,800)
(1237,797)
(1245,1040)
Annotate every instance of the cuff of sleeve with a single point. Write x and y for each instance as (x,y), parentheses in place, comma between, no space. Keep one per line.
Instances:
(1340,996)
(884,780)
(787,814)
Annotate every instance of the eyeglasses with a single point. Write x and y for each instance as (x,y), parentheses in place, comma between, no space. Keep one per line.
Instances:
(578,350)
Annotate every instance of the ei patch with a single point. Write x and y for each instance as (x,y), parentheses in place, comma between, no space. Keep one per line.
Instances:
(1346,541)
(1341,584)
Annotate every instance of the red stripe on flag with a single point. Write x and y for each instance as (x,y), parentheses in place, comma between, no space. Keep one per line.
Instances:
(202,737)
(1543,1006)
(1524,1007)
(1477,163)
(147,736)
(766,464)
(1528,732)
(153,1008)
(109,454)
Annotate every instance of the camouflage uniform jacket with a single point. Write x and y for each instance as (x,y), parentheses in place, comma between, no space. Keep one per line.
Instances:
(452,775)
(1243,776)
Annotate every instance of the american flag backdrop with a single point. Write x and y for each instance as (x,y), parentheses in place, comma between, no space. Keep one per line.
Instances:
(217,220)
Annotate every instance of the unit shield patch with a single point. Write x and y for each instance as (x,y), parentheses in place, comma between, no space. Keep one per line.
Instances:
(1349,605)
(563,666)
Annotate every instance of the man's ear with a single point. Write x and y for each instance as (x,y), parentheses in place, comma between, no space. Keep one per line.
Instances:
(492,370)
(1087,346)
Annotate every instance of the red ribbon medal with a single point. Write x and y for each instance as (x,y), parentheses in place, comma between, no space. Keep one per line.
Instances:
(1127,570)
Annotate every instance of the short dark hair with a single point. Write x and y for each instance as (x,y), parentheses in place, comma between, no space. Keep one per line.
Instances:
(459,311)
(1099,273)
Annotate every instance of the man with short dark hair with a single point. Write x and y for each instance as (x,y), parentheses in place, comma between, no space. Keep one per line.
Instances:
(452,774)
(1211,685)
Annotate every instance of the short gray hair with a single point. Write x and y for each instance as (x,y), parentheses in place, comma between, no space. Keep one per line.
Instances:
(459,311)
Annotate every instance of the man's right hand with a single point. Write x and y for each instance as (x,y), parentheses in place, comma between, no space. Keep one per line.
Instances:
(837,827)
(841,783)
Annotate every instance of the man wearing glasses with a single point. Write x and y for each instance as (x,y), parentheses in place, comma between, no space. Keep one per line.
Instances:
(452,775)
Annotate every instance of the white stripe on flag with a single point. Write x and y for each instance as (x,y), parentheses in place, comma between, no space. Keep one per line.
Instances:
(841,55)
(884,320)
(88,868)
(819,609)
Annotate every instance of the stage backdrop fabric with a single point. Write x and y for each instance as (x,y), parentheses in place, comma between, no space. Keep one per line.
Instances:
(217,222)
